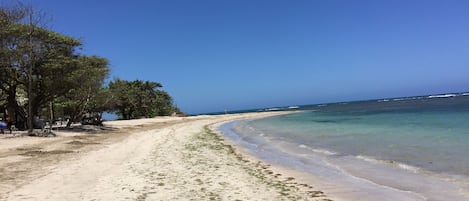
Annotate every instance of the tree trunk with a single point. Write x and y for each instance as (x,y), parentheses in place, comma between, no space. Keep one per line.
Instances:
(16,112)
(51,120)
(30,75)
(11,103)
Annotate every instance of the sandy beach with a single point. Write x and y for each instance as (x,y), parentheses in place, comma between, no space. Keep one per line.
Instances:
(166,158)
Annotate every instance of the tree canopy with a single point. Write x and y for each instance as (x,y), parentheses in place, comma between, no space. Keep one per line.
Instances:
(134,99)
(41,68)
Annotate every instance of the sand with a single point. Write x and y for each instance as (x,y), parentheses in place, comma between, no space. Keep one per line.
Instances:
(167,158)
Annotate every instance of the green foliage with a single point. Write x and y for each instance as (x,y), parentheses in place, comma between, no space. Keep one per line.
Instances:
(72,82)
(84,88)
(140,99)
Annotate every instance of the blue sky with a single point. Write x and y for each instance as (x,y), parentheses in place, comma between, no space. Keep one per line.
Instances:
(212,55)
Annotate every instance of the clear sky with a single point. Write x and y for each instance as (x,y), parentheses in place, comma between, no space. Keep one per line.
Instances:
(212,55)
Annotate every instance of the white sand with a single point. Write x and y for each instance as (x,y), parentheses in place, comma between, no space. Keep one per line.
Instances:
(147,159)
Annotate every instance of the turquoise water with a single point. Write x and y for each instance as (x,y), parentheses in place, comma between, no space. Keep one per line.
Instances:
(416,145)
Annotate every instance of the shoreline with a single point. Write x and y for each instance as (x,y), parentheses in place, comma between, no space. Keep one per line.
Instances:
(149,159)
(334,174)
(270,168)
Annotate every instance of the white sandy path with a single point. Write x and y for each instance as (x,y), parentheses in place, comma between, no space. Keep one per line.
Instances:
(151,165)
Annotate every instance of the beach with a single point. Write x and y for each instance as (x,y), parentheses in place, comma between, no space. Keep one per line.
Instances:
(165,158)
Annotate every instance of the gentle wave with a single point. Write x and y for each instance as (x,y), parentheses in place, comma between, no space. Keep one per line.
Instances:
(321,151)
(364,158)
(443,96)
(397,164)
(429,97)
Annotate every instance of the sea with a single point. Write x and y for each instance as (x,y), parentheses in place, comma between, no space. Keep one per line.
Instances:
(410,148)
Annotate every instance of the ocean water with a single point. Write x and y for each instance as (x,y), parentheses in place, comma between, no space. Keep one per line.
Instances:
(414,148)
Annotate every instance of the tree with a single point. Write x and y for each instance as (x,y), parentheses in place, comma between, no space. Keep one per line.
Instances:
(40,68)
(11,53)
(53,59)
(44,65)
(140,99)
(55,66)
(85,93)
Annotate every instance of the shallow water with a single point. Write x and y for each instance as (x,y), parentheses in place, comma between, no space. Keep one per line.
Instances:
(413,148)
